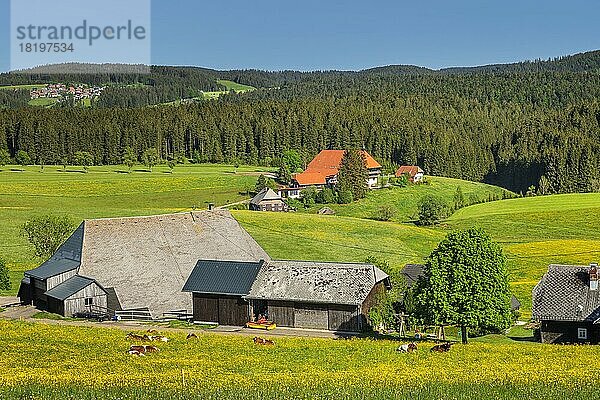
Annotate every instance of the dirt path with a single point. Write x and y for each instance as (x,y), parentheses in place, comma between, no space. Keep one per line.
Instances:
(25,313)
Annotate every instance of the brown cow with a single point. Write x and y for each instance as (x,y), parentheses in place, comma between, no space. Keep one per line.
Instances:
(134,336)
(441,348)
(140,350)
(192,335)
(407,348)
(264,342)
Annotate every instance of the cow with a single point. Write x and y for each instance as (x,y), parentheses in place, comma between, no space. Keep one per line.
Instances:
(140,350)
(158,338)
(192,335)
(264,342)
(407,348)
(136,337)
(441,348)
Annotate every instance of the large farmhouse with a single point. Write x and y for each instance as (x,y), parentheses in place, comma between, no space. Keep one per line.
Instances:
(323,170)
(566,302)
(299,294)
(135,265)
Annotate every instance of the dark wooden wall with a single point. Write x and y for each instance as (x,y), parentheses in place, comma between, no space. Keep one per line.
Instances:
(225,310)
(334,317)
(566,332)
(282,313)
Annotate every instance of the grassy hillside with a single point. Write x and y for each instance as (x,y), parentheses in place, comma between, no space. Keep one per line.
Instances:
(537,231)
(105,193)
(405,200)
(534,232)
(334,238)
(74,362)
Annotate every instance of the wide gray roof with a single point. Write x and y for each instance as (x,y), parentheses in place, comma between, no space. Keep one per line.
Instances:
(316,282)
(265,194)
(563,294)
(66,258)
(222,277)
(147,260)
(69,287)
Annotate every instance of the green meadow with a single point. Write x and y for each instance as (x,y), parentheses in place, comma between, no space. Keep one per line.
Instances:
(534,232)
(107,192)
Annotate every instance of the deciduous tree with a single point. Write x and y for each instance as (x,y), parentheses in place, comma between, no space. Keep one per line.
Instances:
(465,283)
(46,233)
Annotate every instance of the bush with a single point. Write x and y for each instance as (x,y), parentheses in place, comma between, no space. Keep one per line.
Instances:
(385,213)
(345,197)
(293,203)
(4,278)
(402,180)
(325,196)
(431,210)
(308,196)
(22,158)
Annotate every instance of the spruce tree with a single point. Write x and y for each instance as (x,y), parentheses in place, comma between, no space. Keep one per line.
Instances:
(353,174)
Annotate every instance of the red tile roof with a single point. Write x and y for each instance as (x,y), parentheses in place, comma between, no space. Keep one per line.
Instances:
(310,178)
(410,170)
(328,162)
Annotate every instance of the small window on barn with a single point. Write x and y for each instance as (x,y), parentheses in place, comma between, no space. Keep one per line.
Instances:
(89,301)
(581,333)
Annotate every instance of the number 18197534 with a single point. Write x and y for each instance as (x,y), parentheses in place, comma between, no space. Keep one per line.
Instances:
(46,47)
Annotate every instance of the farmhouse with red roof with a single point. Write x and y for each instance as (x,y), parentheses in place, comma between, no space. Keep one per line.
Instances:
(324,168)
(415,174)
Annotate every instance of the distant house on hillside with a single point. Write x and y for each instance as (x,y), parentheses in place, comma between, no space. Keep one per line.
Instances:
(566,302)
(413,272)
(415,174)
(267,200)
(323,170)
(135,266)
(297,294)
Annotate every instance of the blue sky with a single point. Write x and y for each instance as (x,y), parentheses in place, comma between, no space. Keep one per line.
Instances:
(332,34)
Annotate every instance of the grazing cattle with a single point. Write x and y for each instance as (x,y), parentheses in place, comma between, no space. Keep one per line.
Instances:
(133,336)
(140,350)
(407,348)
(264,342)
(152,331)
(192,336)
(441,348)
(159,338)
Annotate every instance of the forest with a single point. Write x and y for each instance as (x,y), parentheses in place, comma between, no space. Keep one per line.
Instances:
(515,125)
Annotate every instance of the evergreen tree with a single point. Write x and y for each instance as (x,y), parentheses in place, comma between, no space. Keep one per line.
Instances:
(22,158)
(150,158)
(129,158)
(465,283)
(353,174)
(4,157)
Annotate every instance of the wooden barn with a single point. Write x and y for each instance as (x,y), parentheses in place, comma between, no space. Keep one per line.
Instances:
(298,294)
(566,303)
(267,200)
(136,265)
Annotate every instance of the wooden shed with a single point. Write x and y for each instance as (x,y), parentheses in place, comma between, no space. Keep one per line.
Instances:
(317,295)
(219,288)
(76,295)
(298,294)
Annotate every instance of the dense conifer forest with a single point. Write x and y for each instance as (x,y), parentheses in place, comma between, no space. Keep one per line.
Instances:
(516,125)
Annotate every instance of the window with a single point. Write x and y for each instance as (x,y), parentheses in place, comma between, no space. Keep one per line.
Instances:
(89,301)
(581,333)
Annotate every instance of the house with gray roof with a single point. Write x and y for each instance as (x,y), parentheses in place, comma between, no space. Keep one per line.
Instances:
(268,200)
(299,294)
(566,303)
(135,265)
